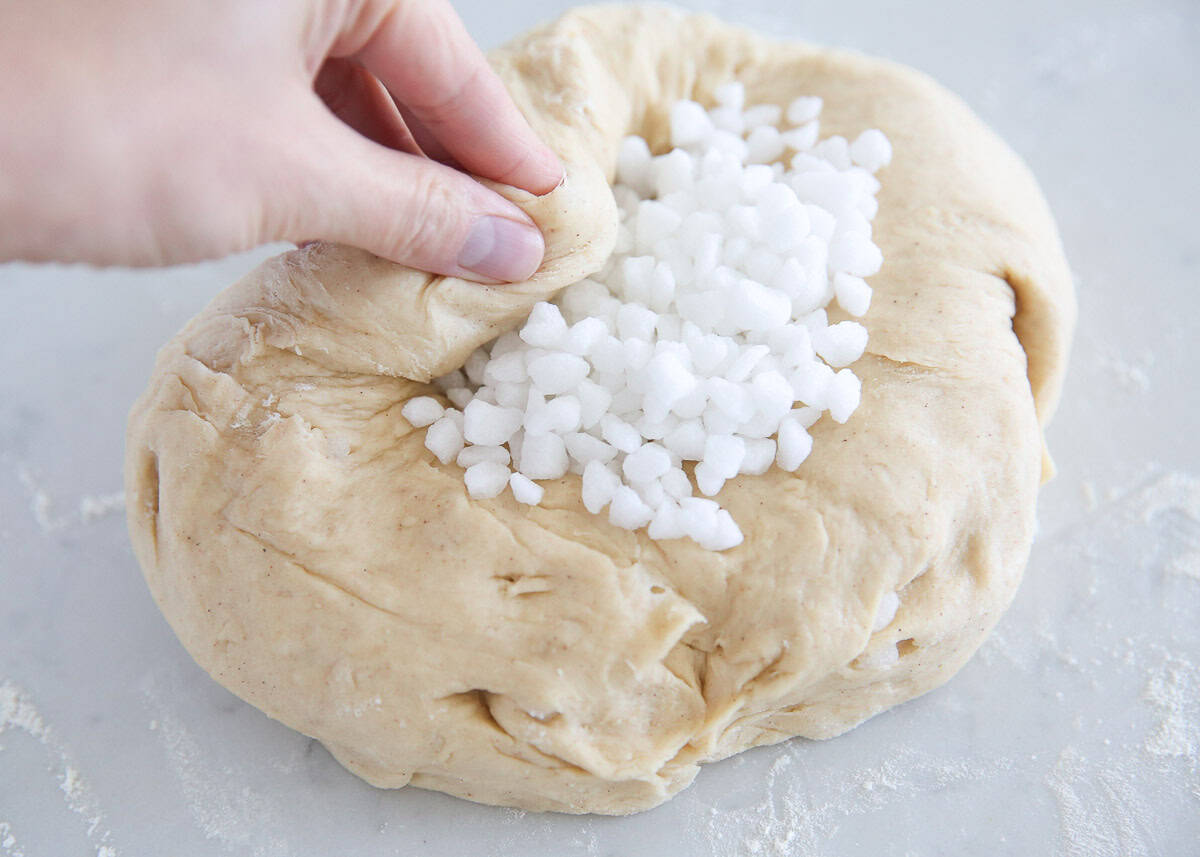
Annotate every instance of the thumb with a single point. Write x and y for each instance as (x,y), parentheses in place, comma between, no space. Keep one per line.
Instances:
(400,206)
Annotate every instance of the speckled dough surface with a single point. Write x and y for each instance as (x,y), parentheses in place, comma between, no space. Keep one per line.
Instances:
(318,561)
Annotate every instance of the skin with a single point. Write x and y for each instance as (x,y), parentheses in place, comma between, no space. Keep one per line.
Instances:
(151,132)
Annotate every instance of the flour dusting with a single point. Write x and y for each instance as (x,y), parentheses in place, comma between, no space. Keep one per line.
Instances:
(17,711)
(1100,811)
(8,842)
(795,820)
(1173,691)
(245,822)
(92,507)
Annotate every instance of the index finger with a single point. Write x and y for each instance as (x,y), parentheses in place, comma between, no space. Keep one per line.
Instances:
(429,63)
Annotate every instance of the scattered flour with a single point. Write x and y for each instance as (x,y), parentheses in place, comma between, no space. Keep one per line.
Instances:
(243,821)
(17,711)
(39,502)
(1133,376)
(1100,811)
(92,507)
(8,842)
(1173,691)
(794,819)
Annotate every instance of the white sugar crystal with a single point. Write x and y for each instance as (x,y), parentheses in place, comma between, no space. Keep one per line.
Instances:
(841,344)
(885,612)
(804,109)
(486,479)
(807,417)
(772,394)
(732,95)
(676,483)
(845,391)
(651,493)
(561,414)
(543,456)
(647,463)
(794,445)
(620,433)
(655,221)
(585,448)
(762,114)
(584,335)
(636,322)
(473,368)
(673,172)
(690,123)
(656,429)
(855,254)
(666,523)
(785,231)
(451,380)
(627,509)
(473,455)
(633,164)
(598,486)
(716,421)
(810,384)
(511,395)
(801,139)
(871,150)
(667,379)
(724,534)
(728,118)
(739,370)
(703,309)
(686,441)
(760,453)
(489,425)
(594,401)
(422,411)
(836,150)
(709,479)
(853,294)
(699,518)
(557,372)
(636,354)
(753,306)
(525,490)
(734,400)
(508,367)
(444,439)
(696,338)
(545,327)
(724,454)
(764,145)
(582,300)
(608,356)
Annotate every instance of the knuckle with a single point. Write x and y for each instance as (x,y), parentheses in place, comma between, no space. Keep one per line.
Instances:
(429,222)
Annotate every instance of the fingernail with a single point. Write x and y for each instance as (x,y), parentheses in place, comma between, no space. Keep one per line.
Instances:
(502,249)
(554,168)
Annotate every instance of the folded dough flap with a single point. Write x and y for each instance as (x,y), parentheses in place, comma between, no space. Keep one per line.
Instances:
(351,311)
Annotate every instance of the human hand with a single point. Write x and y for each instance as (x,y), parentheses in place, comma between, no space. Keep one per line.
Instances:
(150,132)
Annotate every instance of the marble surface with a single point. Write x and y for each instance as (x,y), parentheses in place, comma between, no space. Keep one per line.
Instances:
(1075,731)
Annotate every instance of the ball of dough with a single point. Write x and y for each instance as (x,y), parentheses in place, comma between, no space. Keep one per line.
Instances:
(316,559)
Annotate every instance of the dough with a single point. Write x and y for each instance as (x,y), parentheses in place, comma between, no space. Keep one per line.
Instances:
(315,559)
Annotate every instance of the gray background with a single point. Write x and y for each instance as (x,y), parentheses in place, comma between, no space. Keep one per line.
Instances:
(1076,730)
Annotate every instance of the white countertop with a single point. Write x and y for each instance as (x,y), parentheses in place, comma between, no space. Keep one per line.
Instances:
(1074,731)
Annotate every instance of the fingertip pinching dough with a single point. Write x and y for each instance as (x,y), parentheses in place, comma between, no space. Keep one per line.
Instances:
(316,559)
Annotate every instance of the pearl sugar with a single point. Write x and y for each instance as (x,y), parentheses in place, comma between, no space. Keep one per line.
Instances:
(703,339)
